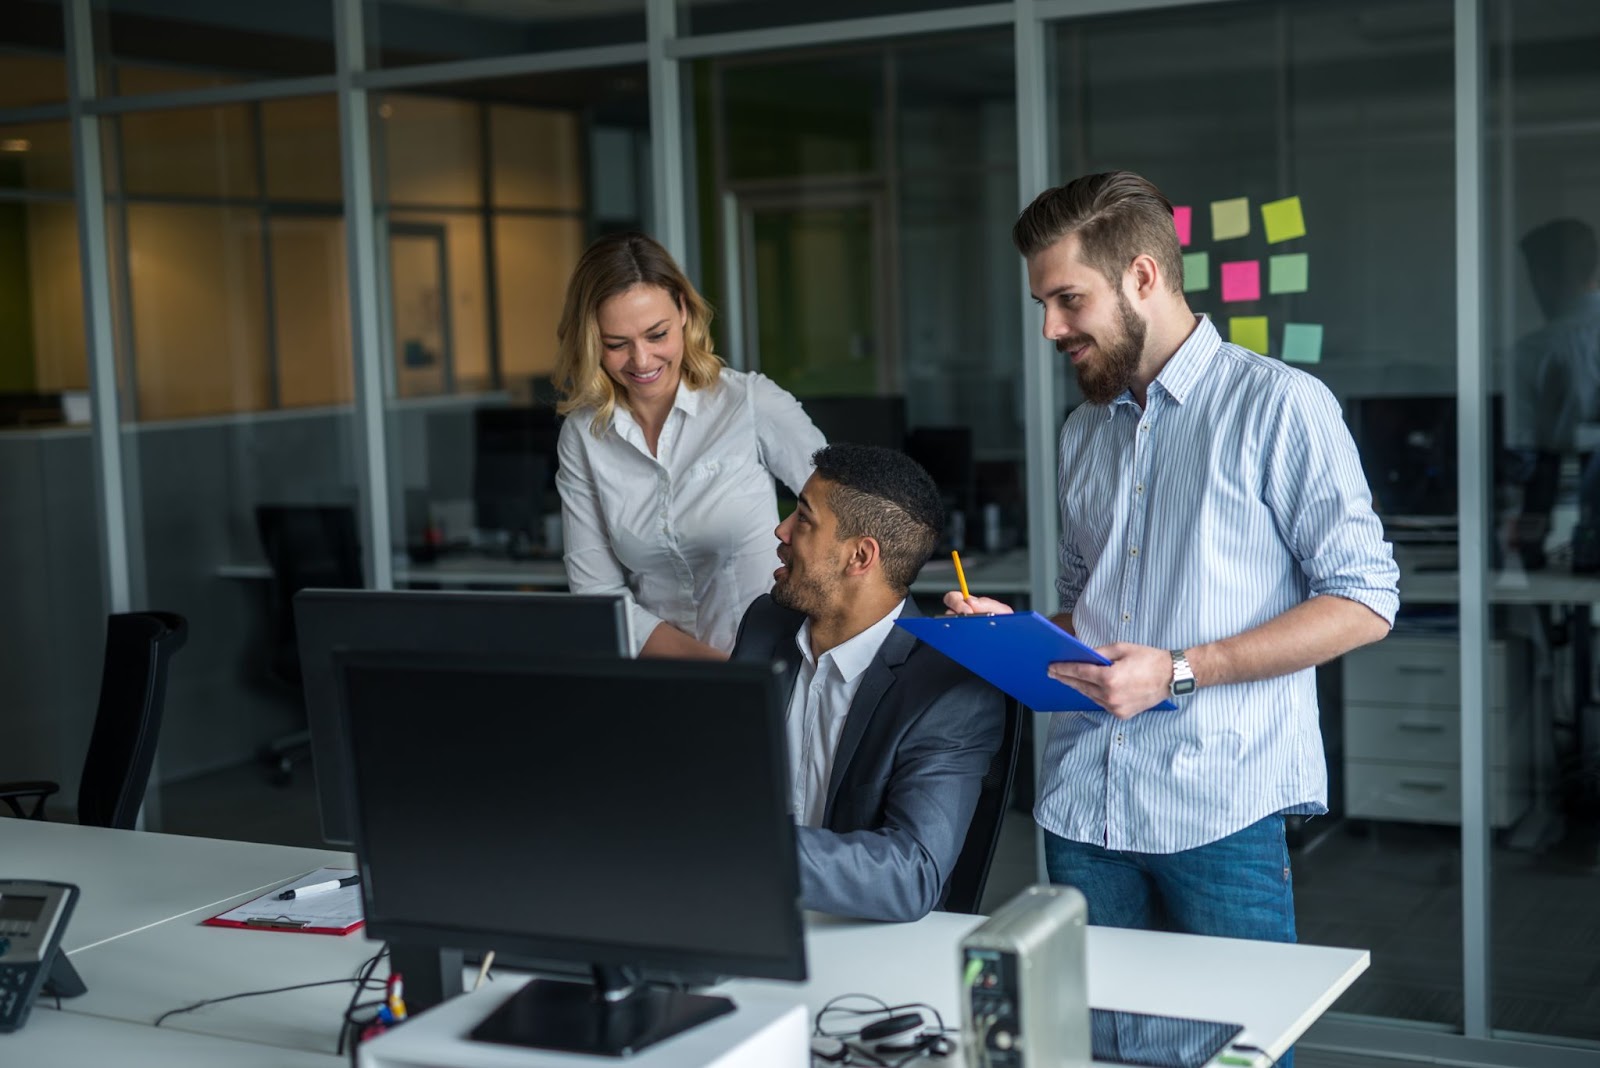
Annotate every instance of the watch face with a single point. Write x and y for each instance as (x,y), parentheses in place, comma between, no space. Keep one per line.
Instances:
(1182,686)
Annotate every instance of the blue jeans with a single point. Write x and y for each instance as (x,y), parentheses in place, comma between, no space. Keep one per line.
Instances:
(1235,887)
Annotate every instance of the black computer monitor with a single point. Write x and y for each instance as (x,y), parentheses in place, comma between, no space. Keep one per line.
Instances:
(862,420)
(514,465)
(1408,450)
(628,813)
(945,452)
(1409,453)
(417,621)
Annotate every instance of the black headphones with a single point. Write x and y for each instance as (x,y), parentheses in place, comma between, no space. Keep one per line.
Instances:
(899,1037)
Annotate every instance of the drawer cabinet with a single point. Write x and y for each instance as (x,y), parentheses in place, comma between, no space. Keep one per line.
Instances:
(1402,731)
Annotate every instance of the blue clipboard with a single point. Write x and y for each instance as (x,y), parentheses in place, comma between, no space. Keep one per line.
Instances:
(1013,653)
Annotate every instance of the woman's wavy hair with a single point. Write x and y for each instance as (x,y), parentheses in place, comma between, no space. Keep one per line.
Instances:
(615,264)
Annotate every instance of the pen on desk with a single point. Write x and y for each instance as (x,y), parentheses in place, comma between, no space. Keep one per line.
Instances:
(961,576)
(317,888)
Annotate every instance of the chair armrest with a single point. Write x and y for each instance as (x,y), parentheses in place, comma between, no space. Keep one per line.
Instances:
(14,793)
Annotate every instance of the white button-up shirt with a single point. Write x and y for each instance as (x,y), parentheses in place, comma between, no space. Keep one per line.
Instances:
(818,706)
(686,534)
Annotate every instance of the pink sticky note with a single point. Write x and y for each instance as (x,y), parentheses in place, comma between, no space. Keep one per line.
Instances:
(1183,219)
(1241,280)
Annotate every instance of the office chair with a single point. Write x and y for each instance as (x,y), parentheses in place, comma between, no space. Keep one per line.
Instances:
(306,545)
(127,724)
(964,892)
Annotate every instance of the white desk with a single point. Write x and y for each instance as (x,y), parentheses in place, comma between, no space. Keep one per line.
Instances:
(1275,991)
(54,1039)
(144,960)
(130,880)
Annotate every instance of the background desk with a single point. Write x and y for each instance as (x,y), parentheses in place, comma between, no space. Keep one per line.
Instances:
(1004,574)
(137,969)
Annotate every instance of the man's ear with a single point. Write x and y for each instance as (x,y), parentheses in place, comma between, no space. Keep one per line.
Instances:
(1144,274)
(865,554)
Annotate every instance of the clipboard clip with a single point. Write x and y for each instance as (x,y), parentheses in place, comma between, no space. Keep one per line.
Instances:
(280,922)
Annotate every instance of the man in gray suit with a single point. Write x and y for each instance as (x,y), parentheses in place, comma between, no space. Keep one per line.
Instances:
(888,739)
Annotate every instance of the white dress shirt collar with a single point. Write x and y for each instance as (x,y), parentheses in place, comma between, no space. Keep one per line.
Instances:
(853,655)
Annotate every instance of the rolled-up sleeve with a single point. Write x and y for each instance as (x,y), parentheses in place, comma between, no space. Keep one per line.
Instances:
(1322,504)
(591,565)
(787,436)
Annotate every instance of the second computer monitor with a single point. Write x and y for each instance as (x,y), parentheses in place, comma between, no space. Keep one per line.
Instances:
(516,624)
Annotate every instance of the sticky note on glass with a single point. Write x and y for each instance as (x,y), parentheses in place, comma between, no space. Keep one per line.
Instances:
(1241,280)
(1196,271)
(1283,219)
(1183,219)
(1249,332)
(1302,342)
(1288,274)
(1230,218)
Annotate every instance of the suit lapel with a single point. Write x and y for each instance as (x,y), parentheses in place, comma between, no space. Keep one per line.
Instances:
(875,682)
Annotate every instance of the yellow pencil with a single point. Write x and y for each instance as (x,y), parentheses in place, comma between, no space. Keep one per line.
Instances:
(961,576)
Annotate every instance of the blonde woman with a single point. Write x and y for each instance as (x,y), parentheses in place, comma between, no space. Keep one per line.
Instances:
(667,458)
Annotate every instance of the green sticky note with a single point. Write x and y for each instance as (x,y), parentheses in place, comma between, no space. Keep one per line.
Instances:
(1283,220)
(1287,274)
(1196,271)
(1302,342)
(1249,332)
(1230,218)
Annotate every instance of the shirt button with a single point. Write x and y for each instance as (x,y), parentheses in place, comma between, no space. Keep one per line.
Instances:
(1133,551)
(1126,617)
(1144,427)
(1139,488)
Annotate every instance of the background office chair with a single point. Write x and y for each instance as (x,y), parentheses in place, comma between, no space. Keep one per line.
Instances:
(306,546)
(127,724)
(971,873)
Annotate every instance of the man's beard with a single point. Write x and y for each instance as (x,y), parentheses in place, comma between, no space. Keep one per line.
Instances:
(1114,366)
(799,593)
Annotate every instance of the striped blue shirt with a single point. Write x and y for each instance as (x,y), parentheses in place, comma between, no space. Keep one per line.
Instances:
(1232,497)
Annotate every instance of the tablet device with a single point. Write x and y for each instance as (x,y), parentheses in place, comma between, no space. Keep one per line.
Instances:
(1157,1041)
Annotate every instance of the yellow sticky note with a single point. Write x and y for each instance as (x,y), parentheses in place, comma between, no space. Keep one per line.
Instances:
(1230,218)
(1249,332)
(1283,220)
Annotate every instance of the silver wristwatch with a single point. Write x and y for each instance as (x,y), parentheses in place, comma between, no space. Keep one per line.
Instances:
(1182,674)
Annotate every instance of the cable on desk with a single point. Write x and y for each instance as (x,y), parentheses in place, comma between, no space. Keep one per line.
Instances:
(859,1055)
(248,994)
(362,978)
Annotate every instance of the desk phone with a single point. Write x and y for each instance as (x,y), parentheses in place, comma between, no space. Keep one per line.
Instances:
(33,916)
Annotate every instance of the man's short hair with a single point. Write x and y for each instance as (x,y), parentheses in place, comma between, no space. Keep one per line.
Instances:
(1562,252)
(1118,216)
(886,495)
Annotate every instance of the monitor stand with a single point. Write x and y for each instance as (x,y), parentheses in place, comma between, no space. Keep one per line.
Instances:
(611,1017)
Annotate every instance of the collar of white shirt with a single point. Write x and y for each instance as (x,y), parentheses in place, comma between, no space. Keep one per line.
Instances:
(686,400)
(852,656)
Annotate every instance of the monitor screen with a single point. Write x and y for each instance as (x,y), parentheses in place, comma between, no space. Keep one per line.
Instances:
(629,813)
(547,624)
(1409,454)
(863,420)
(514,465)
(1408,451)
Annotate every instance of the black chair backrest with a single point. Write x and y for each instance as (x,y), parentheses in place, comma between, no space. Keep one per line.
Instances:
(127,724)
(964,893)
(307,546)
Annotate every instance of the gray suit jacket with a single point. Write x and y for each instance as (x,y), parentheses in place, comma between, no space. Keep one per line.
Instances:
(916,744)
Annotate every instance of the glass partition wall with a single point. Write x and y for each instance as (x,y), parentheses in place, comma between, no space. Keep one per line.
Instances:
(271,274)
